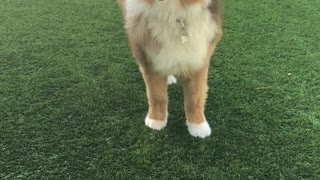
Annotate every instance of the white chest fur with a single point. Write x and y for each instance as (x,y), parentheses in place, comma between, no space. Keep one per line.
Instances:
(176,57)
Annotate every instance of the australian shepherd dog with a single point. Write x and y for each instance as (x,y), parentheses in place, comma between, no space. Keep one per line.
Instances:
(174,39)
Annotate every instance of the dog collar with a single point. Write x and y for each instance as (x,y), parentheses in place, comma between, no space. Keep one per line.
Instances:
(184,33)
(182,26)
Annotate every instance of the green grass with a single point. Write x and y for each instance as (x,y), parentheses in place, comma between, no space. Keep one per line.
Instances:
(72,101)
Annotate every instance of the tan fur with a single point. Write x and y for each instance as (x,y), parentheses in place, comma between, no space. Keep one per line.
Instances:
(149,2)
(195,83)
(186,3)
(156,86)
(195,90)
(122,5)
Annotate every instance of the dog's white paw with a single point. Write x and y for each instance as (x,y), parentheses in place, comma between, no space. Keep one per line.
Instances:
(155,124)
(171,80)
(199,130)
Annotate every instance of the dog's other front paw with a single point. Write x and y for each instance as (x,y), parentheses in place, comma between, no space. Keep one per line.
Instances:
(201,130)
(155,124)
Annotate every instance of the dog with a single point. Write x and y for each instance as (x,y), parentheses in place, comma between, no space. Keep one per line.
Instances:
(169,39)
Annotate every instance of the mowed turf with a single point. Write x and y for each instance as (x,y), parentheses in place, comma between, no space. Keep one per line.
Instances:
(72,101)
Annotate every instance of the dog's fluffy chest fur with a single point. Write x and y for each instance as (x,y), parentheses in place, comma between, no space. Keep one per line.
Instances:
(161,20)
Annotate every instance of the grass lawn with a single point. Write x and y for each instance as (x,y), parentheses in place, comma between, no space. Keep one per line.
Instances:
(72,101)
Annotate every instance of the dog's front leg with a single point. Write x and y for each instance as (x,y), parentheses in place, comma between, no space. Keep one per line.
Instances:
(156,87)
(195,93)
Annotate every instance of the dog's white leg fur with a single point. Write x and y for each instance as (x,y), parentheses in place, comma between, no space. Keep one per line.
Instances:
(171,80)
(199,130)
(155,124)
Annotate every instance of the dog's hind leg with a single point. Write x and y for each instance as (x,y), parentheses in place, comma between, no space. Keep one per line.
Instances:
(171,80)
